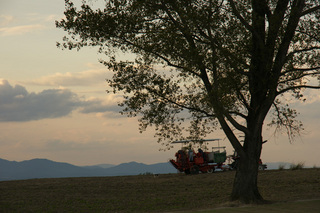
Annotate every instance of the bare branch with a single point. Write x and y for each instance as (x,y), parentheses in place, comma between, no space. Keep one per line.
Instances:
(290,30)
(238,114)
(295,78)
(231,56)
(310,10)
(236,124)
(301,51)
(238,15)
(275,22)
(163,97)
(267,9)
(297,87)
(307,71)
(230,135)
(286,122)
(243,100)
(309,35)
(169,63)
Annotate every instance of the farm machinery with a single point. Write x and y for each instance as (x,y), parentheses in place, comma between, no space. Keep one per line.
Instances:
(234,160)
(191,162)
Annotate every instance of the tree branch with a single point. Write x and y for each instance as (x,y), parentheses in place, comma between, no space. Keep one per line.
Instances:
(243,100)
(296,78)
(267,9)
(310,10)
(297,87)
(230,135)
(286,118)
(236,124)
(169,63)
(238,15)
(216,45)
(275,22)
(282,122)
(302,70)
(162,96)
(238,114)
(301,51)
(290,30)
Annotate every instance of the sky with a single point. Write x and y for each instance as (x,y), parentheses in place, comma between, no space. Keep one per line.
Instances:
(54,105)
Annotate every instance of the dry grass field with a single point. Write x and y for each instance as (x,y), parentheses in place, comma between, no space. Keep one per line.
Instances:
(147,193)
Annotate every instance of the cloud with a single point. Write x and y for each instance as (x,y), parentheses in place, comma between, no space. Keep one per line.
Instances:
(17,104)
(85,78)
(5,19)
(97,106)
(52,17)
(20,30)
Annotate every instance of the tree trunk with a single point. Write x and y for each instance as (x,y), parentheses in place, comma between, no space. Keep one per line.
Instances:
(245,186)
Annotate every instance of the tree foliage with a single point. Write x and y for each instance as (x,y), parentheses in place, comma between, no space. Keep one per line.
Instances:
(205,62)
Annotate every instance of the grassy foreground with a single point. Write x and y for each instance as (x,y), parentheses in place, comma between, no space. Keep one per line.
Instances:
(310,206)
(146,193)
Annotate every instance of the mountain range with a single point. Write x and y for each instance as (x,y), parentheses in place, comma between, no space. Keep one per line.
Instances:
(43,168)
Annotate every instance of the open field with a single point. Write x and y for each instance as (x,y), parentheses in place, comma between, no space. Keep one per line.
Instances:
(164,193)
(310,206)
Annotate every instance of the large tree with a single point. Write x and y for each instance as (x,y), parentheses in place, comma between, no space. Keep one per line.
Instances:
(206,63)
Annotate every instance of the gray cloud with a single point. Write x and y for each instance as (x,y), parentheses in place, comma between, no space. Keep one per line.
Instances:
(17,104)
(96,105)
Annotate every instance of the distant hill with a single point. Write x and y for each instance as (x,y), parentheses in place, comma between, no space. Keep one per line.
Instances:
(105,165)
(134,168)
(43,168)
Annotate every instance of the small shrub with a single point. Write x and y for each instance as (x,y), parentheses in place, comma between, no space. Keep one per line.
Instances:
(146,173)
(281,166)
(297,166)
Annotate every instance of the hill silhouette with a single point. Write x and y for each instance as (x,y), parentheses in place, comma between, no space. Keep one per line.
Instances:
(44,168)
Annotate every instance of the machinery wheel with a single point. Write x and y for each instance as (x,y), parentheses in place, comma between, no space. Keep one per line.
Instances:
(211,170)
(234,164)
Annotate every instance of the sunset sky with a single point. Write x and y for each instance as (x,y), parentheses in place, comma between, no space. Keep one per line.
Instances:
(53,102)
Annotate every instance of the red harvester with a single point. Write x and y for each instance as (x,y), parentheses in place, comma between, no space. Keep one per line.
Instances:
(191,162)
